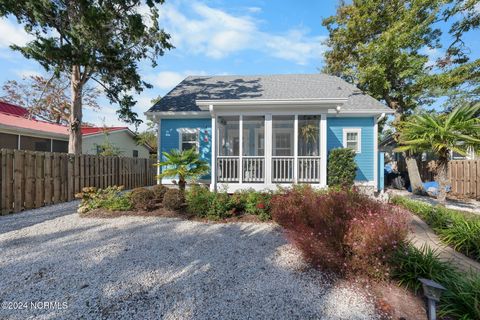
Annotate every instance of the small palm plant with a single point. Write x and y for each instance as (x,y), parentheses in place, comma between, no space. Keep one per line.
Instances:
(440,134)
(184,164)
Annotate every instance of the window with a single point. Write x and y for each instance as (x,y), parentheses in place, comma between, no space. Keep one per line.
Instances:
(60,146)
(99,149)
(135,153)
(188,139)
(352,139)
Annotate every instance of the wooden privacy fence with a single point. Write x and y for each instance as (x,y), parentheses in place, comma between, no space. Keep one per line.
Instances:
(31,179)
(465,178)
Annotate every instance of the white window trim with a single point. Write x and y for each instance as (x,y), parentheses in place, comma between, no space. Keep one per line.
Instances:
(358,131)
(182,131)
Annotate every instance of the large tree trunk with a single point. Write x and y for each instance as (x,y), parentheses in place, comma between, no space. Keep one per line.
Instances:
(414,175)
(442,179)
(412,165)
(75,121)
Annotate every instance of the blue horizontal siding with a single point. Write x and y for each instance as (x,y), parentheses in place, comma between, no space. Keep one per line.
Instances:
(364,159)
(170,129)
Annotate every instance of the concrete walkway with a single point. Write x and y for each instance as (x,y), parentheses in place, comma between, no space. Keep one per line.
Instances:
(422,234)
(468,205)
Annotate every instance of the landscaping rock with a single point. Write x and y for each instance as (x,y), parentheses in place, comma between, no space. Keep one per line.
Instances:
(162,268)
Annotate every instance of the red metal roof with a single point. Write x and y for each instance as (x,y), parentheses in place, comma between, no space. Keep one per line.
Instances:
(30,124)
(94,130)
(12,109)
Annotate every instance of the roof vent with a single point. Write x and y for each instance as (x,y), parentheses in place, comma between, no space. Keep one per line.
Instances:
(357,91)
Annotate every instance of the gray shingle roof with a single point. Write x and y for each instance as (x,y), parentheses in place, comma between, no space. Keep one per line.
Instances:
(280,86)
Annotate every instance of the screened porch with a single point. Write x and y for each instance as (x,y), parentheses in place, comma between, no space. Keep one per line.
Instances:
(269,149)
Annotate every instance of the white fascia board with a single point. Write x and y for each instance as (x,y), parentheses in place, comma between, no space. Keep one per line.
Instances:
(205,104)
(32,132)
(360,111)
(156,115)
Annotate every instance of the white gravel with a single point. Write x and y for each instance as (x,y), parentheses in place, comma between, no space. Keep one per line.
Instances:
(158,268)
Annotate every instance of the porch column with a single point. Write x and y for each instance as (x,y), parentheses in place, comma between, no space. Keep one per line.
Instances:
(213,166)
(295,149)
(159,148)
(375,153)
(240,149)
(323,149)
(268,148)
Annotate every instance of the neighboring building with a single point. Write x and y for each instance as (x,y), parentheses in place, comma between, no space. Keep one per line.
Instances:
(121,137)
(17,131)
(270,130)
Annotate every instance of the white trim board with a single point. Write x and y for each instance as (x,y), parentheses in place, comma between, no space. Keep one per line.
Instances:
(358,131)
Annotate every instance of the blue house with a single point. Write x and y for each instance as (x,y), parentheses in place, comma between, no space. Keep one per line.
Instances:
(263,131)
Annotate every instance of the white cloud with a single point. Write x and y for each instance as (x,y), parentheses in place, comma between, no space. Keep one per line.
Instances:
(254,9)
(27,73)
(11,33)
(296,46)
(433,55)
(166,80)
(217,34)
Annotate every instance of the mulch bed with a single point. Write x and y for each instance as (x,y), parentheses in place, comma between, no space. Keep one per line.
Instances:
(165,213)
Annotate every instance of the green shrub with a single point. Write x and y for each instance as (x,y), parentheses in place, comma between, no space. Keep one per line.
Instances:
(457,229)
(220,206)
(143,199)
(461,300)
(198,200)
(118,203)
(173,199)
(258,203)
(341,167)
(411,263)
(110,198)
(159,191)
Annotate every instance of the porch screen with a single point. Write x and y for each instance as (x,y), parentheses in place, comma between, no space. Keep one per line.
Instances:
(309,135)
(253,136)
(228,136)
(282,136)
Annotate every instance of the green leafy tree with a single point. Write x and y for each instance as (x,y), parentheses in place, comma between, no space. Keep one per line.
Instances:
(94,40)
(184,164)
(376,45)
(457,76)
(149,136)
(440,134)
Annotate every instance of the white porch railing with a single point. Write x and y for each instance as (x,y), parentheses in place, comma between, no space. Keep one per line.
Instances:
(309,169)
(227,169)
(282,169)
(253,169)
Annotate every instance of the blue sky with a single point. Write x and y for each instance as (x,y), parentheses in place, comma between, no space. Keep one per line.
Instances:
(216,37)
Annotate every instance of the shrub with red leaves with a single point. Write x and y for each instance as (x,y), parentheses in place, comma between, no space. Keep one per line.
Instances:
(341,231)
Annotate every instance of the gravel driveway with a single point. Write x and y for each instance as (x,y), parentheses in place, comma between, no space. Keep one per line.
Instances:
(159,268)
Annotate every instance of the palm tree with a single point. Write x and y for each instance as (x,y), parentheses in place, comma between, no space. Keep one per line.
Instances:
(442,134)
(184,164)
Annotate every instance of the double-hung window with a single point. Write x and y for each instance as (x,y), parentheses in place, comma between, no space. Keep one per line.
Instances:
(189,139)
(352,139)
